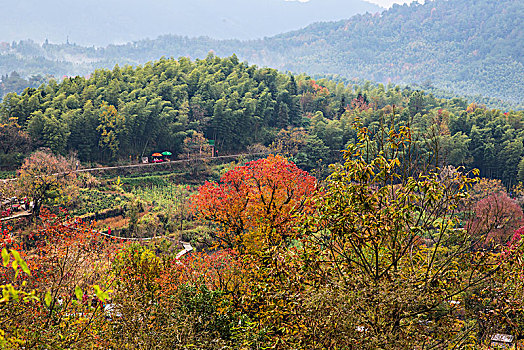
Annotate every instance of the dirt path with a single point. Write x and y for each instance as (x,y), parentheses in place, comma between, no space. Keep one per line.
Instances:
(88,170)
(17,216)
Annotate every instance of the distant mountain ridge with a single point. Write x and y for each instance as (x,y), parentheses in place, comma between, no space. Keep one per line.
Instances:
(467,47)
(103,22)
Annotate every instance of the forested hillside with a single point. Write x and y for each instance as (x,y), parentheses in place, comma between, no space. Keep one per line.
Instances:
(128,112)
(461,46)
(464,46)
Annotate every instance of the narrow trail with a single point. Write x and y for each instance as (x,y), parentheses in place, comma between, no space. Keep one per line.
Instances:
(132,238)
(178,161)
(186,245)
(166,163)
(17,216)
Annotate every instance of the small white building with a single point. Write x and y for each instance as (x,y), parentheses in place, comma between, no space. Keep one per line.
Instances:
(502,341)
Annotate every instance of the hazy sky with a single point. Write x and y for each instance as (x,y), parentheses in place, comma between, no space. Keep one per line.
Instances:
(383,3)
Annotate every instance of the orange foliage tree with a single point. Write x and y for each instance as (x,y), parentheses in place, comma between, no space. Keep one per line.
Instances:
(256,205)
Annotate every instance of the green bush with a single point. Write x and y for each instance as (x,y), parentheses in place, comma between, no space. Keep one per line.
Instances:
(11,161)
(7,174)
(144,181)
(94,201)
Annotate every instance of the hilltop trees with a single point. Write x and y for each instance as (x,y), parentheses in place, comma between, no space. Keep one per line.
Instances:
(132,111)
(434,36)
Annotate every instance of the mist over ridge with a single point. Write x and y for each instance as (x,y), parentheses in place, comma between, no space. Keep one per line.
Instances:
(464,48)
(99,22)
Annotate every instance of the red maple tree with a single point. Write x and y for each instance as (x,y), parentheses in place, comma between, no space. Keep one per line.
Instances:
(256,204)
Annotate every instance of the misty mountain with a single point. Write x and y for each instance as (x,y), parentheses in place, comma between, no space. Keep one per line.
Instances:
(462,46)
(103,22)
